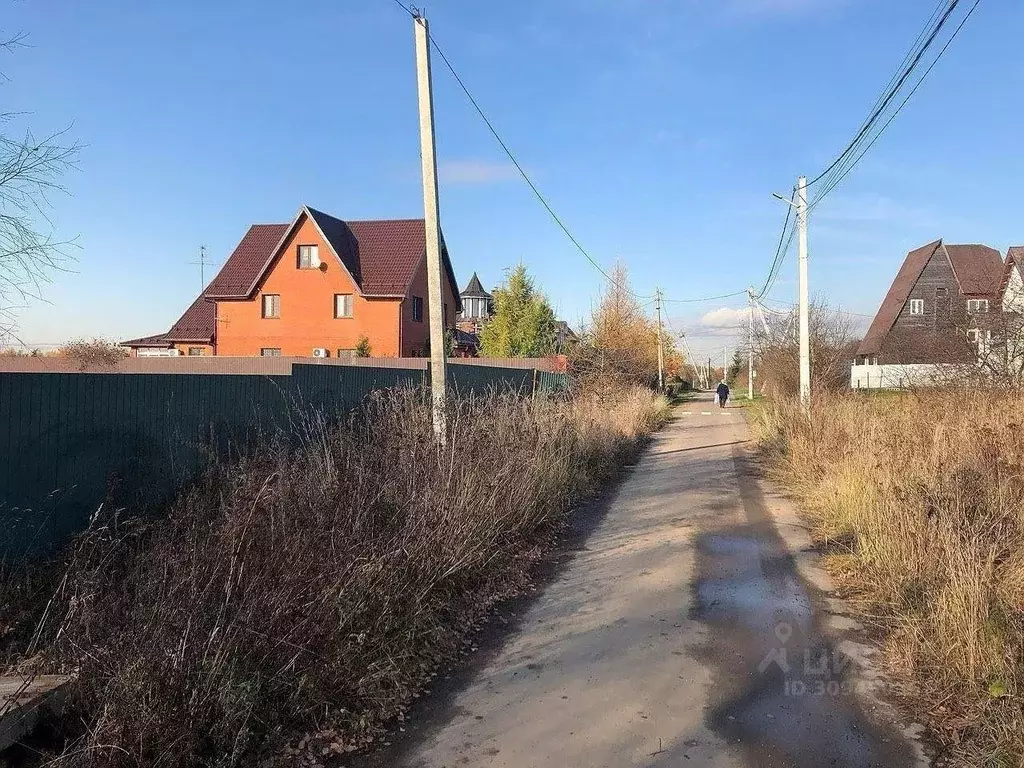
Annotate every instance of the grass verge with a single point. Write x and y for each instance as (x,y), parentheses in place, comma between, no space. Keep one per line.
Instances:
(920,501)
(292,604)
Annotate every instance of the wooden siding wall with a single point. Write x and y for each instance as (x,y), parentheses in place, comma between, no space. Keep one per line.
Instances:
(71,441)
(936,274)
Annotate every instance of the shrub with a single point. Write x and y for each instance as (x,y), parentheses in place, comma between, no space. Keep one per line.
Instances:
(317,590)
(922,499)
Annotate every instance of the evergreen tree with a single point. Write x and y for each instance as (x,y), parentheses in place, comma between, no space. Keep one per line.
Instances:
(523,323)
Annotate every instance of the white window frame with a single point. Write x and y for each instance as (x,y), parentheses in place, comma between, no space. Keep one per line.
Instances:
(977,306)
(270,352)
(271,309)
(308,256)
(917,306)
(342,306)
(973,335)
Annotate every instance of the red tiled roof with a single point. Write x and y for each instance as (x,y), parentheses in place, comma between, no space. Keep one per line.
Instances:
(381,255)
(198,323)
(246,262)
(977,268)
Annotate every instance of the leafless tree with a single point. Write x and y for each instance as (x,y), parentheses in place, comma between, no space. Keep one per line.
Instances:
(777,351)
(31,170)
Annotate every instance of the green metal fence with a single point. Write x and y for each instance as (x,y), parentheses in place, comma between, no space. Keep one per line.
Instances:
(70,440)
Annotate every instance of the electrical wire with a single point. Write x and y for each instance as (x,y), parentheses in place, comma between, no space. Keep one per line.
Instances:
(515,162)
(780,253)
(892,117)
(890,94)
(533,187)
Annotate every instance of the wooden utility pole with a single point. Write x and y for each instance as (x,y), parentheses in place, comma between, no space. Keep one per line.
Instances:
(661,346)
(431,221)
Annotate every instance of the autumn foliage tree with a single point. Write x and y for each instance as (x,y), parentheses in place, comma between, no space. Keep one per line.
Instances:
(620,344)
(523,323)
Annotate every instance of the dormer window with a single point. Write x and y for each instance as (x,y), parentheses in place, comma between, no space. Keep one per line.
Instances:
(977,306)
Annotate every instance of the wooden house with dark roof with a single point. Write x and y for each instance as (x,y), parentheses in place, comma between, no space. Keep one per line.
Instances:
(315,287)
(936,308)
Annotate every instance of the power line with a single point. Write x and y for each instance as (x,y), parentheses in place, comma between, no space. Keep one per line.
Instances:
(705,298)
(533,187)
(892,117)
(880,108)
(515,162)
(780,253)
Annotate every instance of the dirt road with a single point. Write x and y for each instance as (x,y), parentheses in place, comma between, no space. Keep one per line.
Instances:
(679,633)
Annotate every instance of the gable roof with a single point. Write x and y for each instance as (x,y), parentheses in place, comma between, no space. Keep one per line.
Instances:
(1014,257)
(198,323)
(475,290)
(246,262)
(977,269)
(382,256)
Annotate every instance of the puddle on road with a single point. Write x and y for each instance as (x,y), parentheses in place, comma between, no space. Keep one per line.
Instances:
(781,691)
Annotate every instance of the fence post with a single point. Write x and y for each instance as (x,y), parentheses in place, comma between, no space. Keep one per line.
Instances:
(534,395)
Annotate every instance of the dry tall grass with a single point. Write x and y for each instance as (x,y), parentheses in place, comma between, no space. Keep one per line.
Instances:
(922,499)
(317,590)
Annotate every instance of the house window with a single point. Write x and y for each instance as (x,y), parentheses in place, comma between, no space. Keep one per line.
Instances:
(417,309)
(972,335)
(917,306)
(343,353)
(977,305)
(270,352)
(342,305)
(195,351)
(271,305)
(309,257)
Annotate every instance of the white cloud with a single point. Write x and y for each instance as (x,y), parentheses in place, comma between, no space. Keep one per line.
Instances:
(475,172)
(724,319)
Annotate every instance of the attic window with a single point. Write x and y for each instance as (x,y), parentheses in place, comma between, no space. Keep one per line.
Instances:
(977,305)
(309,257)
(917,306)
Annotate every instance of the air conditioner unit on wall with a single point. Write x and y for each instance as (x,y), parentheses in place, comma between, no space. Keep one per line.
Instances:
(321,352)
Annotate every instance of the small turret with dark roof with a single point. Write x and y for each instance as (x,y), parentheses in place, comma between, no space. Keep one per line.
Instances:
(475,290)
(476,302)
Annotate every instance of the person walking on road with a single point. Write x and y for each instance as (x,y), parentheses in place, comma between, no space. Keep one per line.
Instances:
(723,394)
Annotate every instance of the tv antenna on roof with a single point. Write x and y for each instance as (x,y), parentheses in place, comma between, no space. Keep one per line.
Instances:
(202,263)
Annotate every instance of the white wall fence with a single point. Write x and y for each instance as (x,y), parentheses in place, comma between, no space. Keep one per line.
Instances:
(902,376)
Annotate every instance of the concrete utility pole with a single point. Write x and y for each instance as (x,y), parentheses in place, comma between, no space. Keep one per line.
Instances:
(661,348)
(431,220)
(805,326)
(750,346)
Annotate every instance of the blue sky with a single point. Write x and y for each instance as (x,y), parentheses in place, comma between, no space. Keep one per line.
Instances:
(657,128)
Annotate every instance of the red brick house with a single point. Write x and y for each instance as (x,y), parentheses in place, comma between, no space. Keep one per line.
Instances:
(315,287)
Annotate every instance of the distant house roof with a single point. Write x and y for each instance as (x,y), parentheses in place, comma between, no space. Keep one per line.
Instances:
(564,334)
(1014,257)
(466,339)
(159,340)
(977,268)
(382,256)
(475,290)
